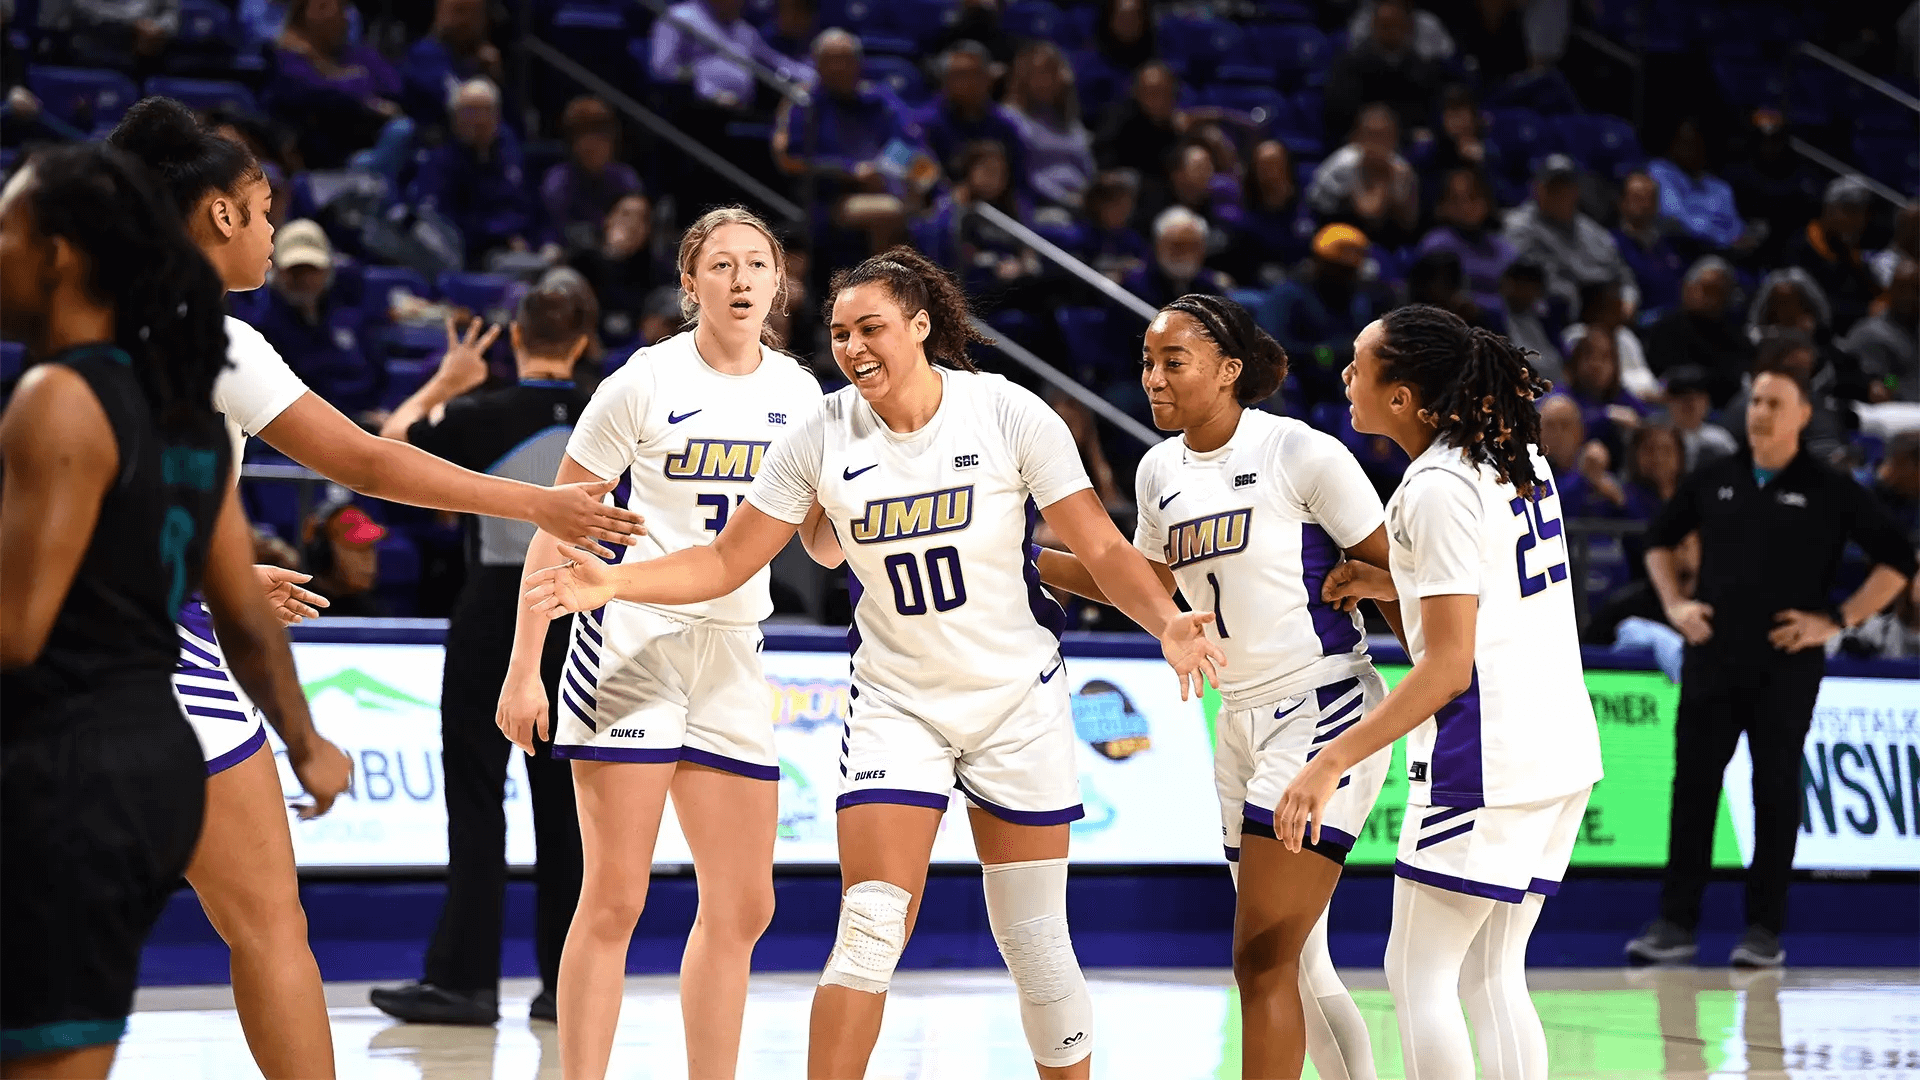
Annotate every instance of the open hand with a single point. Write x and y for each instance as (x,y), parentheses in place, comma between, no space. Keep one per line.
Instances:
(582,583)
(465,364)
(1305,802)
(290,603)
(1351,582)
(575,514)
(1794,631)
(1194,657)
(522,711)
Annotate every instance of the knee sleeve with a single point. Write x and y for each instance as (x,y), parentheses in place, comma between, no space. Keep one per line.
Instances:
(873,933)
(1027,908)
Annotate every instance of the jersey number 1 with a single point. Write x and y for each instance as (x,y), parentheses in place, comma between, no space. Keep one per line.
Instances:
(1539,530)
(1219,620)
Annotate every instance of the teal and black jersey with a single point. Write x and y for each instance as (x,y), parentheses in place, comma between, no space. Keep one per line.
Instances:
(147,551)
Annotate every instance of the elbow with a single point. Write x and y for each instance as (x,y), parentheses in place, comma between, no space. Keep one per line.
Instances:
(1454,674)
(15,653)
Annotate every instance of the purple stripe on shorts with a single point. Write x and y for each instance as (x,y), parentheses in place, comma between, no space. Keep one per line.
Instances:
(1457,779)
(201,672)
(629,754)
(194,618)
(238,754)
(216,714)
(581,690)
(1233,854)
(894,796)
(1332,837)
(1445,815)
(1544,887)
(579,665)
(1259,815)
(733,765)
(1441,838)
(586,627)
(1337,630)
(1333,733)
(191,690)
(581,648)
(199,653)
(1330,694)
(1459,884)
(585,716)
(1344,781)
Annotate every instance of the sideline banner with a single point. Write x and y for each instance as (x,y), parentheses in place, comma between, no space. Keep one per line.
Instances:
(1146,772)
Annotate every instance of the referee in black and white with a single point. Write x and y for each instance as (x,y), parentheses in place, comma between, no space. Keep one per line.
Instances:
(1773,523)
(519,431)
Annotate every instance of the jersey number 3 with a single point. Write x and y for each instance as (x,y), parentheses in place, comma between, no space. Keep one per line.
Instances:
(1540,529)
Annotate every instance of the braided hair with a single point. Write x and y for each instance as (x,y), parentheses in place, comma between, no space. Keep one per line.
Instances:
(169,306)
(190,158)
(1263,363)
(918,284)
(1477,388)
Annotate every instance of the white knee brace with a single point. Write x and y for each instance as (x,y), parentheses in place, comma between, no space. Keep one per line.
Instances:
(873,932)
(1027,908)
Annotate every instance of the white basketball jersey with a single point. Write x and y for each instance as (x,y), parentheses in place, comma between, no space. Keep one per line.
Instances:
(1524,729)
(255,387)
(1250,530)
(950,621)
(687,440)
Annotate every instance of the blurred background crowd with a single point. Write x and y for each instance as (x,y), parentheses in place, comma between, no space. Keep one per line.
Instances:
(1659,197)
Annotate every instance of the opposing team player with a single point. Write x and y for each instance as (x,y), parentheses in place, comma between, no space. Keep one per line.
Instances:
(1246,513)
(116,499)
(930,473)
(243,869)
(660,698)
(1503,751)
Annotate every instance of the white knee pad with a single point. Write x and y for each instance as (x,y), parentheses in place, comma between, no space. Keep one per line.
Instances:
(873,933)
(1027,908)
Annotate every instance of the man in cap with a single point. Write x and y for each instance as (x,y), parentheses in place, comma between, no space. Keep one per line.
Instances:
(319,339)
(1571,247)
(1317,314)
(1829,249)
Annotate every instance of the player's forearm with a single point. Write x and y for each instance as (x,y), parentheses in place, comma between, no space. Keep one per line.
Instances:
(1130,585)
(1425,690)
(436,392)
(530,628)
(689,576)
(1064,571)
(1390,611)
(1873,595)
(403,473)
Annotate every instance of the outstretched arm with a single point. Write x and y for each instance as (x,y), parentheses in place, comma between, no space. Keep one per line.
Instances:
(1065,572)
(692,575)
(316,435)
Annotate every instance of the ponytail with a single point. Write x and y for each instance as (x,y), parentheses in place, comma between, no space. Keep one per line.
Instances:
(917,284)
(168,304)
(1231,328)
(1477,388)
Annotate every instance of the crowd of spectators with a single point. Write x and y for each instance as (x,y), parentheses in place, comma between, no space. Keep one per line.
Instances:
(1319,161)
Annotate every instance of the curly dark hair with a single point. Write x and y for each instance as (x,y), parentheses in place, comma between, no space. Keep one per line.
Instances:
(169,306)
(1263,363)
(188,156)
(918,284)
(1476,387)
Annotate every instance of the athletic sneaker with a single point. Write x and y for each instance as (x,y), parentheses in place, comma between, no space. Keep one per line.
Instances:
(1664,943)
(1760,948)
(425,1003)
(544,1007)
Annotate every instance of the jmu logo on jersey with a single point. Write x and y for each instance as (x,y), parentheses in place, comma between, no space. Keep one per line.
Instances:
(1208,537)
(717,459)
(947,510)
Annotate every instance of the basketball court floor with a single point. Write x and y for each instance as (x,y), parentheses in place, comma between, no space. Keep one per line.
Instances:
(1684,1024)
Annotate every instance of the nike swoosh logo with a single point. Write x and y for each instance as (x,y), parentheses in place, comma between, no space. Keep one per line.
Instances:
(673,418)
(1168,499)
(848,474)
(1048,676)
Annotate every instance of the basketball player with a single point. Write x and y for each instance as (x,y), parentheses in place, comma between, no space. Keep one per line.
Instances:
(1245,514)
(116,500)
(670,698)
(930,473)
(243,869)
(1503,751)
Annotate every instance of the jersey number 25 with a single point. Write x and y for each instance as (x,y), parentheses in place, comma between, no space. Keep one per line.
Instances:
(1540,529)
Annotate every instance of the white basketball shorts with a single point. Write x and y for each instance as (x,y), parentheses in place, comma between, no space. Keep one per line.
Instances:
(1021,770)
(230,728)
(1259,751)
(1499,852)
(639,686)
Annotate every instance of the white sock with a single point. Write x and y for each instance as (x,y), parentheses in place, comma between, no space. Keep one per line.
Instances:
(1337,1037)
(1433,929)
(1493,984)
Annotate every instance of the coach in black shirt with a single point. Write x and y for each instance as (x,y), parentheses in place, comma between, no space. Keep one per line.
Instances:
(1773,522)
(519,431)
